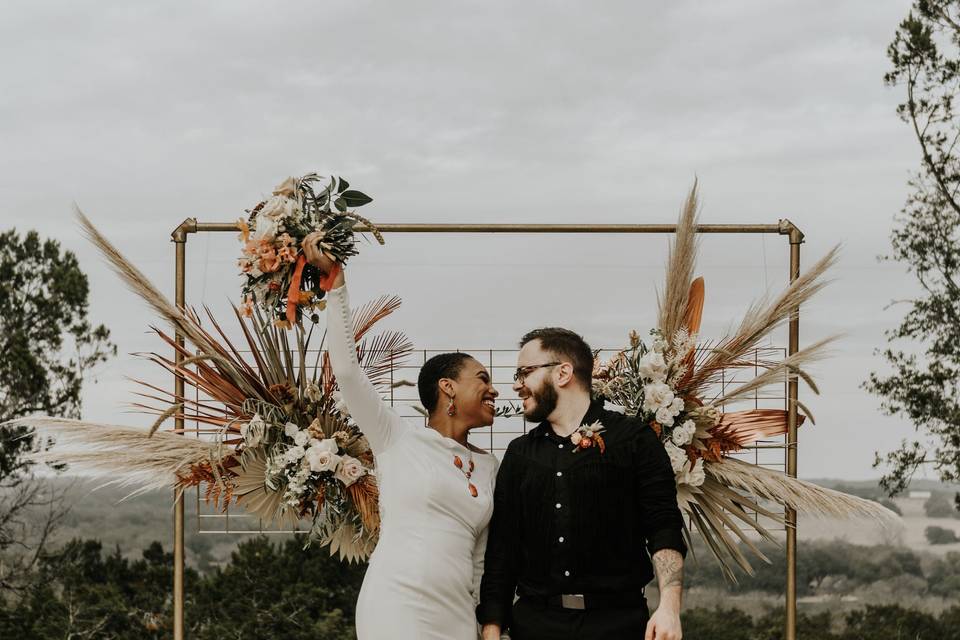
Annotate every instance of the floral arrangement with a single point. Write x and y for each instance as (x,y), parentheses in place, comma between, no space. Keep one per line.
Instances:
(683,391)
(277,276)
(587,436)
(282,446)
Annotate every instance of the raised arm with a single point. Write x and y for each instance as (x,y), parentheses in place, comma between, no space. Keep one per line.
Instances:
(378,421)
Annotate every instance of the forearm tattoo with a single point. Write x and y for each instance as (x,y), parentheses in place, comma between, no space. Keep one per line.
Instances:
(669,565)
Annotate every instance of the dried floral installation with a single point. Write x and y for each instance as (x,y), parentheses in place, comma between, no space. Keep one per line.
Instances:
(672,385)
(285,448)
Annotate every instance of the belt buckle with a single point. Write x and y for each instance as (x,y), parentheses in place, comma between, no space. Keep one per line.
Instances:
(572,601)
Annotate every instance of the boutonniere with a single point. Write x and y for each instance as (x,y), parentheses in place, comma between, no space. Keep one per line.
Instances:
(587,436)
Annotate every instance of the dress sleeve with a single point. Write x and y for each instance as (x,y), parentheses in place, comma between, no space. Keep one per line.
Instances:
(501,559)
(376,419)
(480,547)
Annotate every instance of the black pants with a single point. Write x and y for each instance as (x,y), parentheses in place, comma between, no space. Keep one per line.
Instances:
(536,621)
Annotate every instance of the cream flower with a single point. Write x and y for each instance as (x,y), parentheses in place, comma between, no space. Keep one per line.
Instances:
(252,432)
(265,228)
(294,454)
(665,416)
(327,444)
(575,438)
(653,367)
(322,459)
(676,406)
(657,395)
(301,438)
(678,457)
(290,429)
(349,471)
(277,208)
(684,433)
(287,188)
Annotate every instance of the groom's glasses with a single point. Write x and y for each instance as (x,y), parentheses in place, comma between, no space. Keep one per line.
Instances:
(522,372)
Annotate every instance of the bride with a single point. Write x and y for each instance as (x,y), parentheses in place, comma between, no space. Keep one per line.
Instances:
(436,490)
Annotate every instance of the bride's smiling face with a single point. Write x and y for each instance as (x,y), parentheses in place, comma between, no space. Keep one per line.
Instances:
(474,394)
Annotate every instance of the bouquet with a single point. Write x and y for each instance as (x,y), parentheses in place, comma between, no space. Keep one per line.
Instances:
(277,276)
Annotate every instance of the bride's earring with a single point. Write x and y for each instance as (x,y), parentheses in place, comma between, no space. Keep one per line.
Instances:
(451,409)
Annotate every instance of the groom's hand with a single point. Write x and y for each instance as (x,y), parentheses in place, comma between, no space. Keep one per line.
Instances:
(314,255)
(664,625)
(491,632)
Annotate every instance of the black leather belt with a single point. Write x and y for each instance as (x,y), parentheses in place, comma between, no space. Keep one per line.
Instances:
(623,600)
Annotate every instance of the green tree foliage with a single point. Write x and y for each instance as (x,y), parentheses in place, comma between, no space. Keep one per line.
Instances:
(47,344)
(924,382)
(939,505)
(939,535)
(267,591)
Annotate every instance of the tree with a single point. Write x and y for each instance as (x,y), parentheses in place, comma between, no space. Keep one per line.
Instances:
(47,345)
(939,505)
(923,385)
(939,535)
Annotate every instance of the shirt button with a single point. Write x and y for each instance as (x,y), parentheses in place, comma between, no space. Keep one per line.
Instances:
(559,473)
(566,573)
(558,505)
(560,538)
(559,446)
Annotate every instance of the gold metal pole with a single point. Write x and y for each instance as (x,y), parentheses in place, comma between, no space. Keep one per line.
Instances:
(180,240)
(196,227)
(793,345)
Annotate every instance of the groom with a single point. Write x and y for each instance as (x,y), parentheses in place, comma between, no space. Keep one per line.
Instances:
(578,528)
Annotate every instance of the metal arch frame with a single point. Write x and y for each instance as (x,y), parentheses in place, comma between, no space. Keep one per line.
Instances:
(784,228)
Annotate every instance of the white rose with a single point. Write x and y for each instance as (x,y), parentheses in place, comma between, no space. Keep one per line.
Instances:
(678,457)
(665,417)
(277,208)
(349,471)
(657,395)
(294,454)
(264,228)
(677,405)
(653,367)
(684,433)
(321,459)
(301,439)
(290,430)
(327,444)
(287,188)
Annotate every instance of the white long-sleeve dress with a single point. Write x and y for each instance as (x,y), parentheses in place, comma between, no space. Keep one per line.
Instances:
(423,578)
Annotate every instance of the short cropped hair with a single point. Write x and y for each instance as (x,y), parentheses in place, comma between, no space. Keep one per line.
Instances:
(566,344)
(444,365)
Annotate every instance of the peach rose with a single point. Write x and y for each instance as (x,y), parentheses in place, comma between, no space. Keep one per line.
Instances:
(349,471)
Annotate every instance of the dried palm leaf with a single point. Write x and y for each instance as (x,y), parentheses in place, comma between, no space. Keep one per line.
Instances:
(380,355)
(743,428)
(672,300)
(121,454)
(762,318)
(797,494)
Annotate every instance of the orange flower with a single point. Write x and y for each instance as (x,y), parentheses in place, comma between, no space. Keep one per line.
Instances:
(269,261)
(586,442)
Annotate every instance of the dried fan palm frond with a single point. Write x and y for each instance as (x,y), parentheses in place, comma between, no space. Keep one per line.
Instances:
(774,373)
(762,318)
(365,495)
(372,312)
(672,300)
(743,428)
(380,355)
(121,454)
(799,495)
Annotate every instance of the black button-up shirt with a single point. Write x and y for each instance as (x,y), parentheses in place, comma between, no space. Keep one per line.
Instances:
(568,522)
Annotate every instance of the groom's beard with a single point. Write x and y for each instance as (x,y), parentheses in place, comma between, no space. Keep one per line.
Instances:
(545,399)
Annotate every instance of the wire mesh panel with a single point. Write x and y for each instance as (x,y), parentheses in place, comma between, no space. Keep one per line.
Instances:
(501,363)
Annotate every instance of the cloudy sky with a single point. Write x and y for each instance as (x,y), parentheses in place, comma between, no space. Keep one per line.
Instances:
(548,112)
